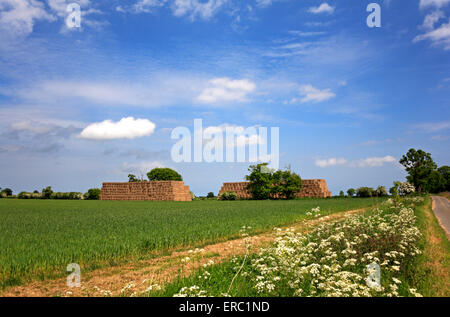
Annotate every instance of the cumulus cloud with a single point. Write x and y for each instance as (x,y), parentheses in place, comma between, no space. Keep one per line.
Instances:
(17,17)
(323,8)
(366,162)
(226,90)
(126,128)
(310,93)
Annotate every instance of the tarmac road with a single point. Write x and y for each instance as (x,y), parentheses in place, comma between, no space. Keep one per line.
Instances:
(442,211)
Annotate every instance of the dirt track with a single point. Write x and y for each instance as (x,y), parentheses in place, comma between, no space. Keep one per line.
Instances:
(135,278)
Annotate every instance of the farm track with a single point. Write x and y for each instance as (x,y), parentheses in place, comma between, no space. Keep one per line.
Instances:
(138,276)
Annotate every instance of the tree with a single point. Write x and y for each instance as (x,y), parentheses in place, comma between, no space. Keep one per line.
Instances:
(419,166)
(7,192)
(92,194)
(445,172)
(363,192)
(260,181)
(351,192)
(436,183)
(164,174)
(210,195)
(286,184)
(381,191)
(341,194)
(133,179)
(47,192)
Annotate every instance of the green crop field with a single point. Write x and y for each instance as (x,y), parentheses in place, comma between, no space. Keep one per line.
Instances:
(38,238)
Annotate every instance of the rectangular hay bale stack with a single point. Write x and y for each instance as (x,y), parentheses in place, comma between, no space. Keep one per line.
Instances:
(312,188)
(155,190)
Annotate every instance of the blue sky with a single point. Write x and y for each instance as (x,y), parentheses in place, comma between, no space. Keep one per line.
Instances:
(349,100)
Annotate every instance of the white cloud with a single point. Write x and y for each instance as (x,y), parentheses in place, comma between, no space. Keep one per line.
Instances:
(263,3)
(438,37)
(126,128)
(323,8)
(431,19)
(373,161)
(60,6)
(433,127)
(17,17)
(161,90)
(366,162)
(196,8)
(144,6)
(331,162)
(310,93)
(244,136)
(433,3)
(226,90)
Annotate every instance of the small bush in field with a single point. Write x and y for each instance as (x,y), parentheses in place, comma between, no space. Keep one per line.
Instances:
(228,196)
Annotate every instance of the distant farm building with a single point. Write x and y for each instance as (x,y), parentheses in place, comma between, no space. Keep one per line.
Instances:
(155,190)
(312,188)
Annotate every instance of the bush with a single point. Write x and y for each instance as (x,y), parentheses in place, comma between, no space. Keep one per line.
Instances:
(341,194)
(92,194)
(210,195)
(228,196)
(405,189)
(363,192)
(24,195)
(164,174)
(67,196)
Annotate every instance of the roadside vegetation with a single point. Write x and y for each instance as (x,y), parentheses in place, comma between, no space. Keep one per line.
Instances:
(336,259)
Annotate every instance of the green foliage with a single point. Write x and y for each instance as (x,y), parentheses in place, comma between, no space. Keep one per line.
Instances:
(39,238)
(260,178)
(92,194)
(445,172)
(228,196)
(6,192)
(47,192)
(164,174)
(286,184)
(210,195)
(381,192)
(364,192)
(341,194)
(419,166)
(133,179)
(351,192)
(265,183)
(67,196)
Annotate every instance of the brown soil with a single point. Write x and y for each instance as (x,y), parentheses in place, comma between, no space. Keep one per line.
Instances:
(138,276)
